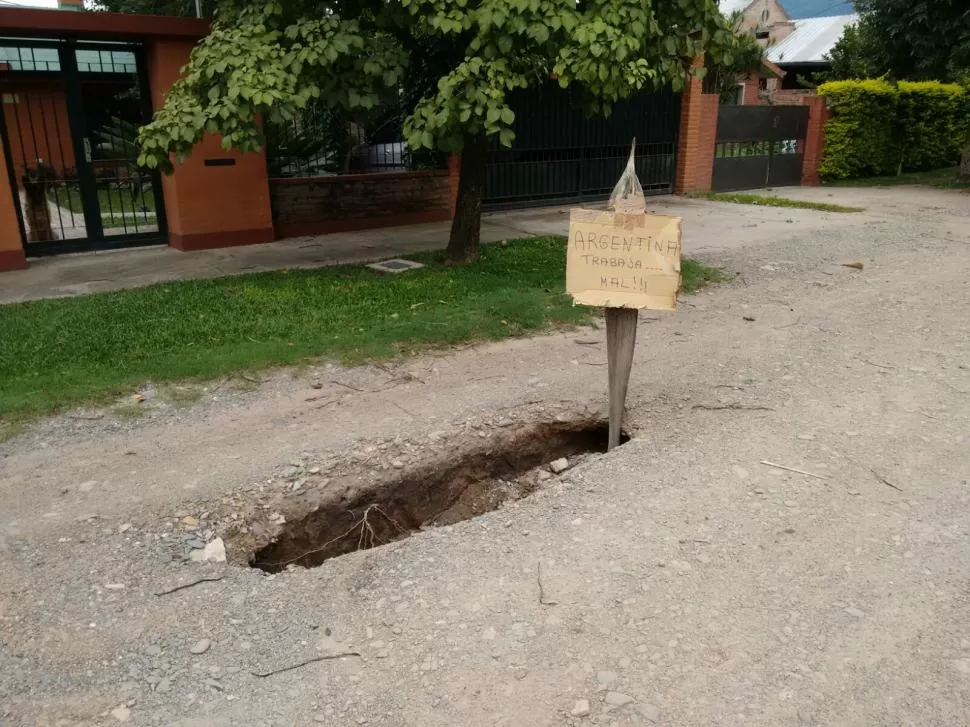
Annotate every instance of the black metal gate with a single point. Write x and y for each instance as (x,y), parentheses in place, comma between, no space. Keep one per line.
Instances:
(759,146)
(560,156)
(70,113)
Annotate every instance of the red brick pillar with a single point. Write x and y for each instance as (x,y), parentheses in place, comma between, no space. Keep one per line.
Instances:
(814,139)
(454,175)
(698,131)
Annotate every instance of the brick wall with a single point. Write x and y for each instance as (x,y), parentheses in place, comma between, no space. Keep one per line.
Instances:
(318,205)
(791,96)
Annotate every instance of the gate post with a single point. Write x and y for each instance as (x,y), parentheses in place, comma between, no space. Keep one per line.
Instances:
(214,198)
(698,136)
(12,255)
(814,139)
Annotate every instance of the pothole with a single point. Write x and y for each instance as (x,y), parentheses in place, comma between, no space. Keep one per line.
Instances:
(512,464)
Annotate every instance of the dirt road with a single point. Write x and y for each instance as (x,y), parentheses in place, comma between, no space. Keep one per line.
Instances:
(677,580)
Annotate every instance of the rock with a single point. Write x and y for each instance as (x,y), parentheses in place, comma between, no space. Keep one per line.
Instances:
(124,528)
(649,712)
(917,369)
(397,464)
(122,713)
(291,471)
(314,470)
(615,700)
(195,543)
(190,522)
(214,552)
(164,685)
(581,709)
(682,567)
(200,647)
(855,612)
(807,437)
(605,679)
(87,486)
(559,466)
(741,472)
(153,650)
(704,558)
(115,586)
(962,666)
(543,475)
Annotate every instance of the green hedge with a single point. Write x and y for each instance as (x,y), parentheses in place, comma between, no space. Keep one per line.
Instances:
(876,126)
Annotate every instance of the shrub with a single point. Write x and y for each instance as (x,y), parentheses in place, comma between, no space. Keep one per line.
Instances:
(877,128)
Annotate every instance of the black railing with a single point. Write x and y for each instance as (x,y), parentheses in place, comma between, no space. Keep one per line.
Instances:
(324,142)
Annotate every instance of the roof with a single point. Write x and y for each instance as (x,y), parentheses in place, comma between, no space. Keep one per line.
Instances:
(811,41)
(20,21)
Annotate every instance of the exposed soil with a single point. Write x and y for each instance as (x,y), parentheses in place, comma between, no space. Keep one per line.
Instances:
(442,491)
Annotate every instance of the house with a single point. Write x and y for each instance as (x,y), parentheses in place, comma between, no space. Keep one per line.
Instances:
(797,37)
(804,52)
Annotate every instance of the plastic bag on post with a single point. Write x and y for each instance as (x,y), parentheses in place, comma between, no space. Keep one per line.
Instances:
(627,197)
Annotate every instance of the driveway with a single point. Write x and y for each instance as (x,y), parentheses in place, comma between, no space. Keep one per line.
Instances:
(784,541)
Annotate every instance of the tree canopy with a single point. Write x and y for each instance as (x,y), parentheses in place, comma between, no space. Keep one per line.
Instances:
(906,39)
(266,60)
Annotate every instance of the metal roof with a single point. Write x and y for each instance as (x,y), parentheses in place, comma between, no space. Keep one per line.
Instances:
(811,41)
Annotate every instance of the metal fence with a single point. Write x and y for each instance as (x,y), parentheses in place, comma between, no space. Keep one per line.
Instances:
(323,142)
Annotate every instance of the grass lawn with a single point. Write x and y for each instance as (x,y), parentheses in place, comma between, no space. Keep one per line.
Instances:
(58,353)
(116,204)
(943,178)
(771,201)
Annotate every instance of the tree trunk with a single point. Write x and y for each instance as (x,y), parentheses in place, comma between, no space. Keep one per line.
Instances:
(965,162)
(466,227)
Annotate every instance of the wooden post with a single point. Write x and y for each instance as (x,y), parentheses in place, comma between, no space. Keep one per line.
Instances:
(621,338)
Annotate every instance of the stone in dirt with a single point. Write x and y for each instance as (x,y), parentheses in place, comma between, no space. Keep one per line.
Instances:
(122,713)
(649,712)
(581,709)
(200,647)
(559,465)
(214,552)
(615,700)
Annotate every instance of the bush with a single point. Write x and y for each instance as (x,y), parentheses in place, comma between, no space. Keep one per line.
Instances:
(877,128)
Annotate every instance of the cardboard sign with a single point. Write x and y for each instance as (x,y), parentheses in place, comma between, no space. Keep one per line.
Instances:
(623,259)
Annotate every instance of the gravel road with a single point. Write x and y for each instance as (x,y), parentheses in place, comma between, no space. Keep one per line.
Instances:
(678,580)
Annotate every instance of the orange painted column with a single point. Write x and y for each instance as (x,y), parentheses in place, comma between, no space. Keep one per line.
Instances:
(215,198)
(12,255)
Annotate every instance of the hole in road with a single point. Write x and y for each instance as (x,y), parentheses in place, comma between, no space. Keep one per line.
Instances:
(513,464)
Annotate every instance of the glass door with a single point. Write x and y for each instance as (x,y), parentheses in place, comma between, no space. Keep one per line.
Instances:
(69,120)
(125,202)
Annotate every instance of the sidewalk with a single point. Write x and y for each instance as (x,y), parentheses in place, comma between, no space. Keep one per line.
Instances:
(707,225)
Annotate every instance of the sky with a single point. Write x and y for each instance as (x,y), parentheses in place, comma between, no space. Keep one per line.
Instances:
(38,3)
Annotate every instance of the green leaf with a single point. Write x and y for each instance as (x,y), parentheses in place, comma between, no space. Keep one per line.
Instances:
(508,116)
